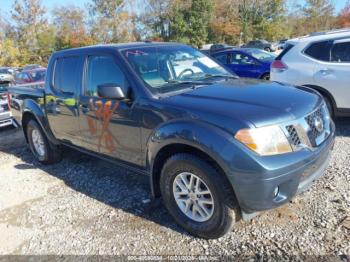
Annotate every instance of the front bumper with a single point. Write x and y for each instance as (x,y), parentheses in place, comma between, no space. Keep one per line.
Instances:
(291,173)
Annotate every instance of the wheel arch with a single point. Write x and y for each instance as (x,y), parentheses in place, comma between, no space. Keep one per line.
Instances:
(194,140)
(324,92)
(178,148)
(32,111)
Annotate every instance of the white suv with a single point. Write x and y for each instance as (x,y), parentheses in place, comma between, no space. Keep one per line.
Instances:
(320,61)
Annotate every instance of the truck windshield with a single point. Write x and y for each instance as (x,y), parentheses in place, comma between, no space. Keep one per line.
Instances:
(171,68)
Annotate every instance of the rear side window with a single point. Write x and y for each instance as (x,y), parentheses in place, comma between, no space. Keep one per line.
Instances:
(341,52)
(66,77)
(319,51)
(286,49)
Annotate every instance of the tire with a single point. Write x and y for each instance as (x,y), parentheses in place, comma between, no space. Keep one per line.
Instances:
(50,153)
(224,209)
(265,77)
(267,49)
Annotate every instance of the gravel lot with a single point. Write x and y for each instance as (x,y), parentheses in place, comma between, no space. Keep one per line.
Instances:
(88,206)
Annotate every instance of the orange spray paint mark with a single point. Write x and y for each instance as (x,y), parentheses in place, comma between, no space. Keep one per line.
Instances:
(104,113)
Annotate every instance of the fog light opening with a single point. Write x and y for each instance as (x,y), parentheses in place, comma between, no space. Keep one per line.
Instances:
(276,191)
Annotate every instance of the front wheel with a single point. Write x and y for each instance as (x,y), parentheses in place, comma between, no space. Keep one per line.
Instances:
(197,197)
(44,151)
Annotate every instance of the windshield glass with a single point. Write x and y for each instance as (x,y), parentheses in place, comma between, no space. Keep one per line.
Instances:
(4,71)
(162,68)
(38,75)
(261,55)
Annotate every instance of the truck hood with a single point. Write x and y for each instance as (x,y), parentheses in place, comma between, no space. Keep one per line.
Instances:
(251,102)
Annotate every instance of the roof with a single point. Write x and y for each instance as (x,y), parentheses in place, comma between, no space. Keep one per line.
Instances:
(34,70)
(119,46)
(244,50)
(318,36)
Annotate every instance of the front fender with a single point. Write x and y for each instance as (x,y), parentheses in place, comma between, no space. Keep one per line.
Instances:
(207,138)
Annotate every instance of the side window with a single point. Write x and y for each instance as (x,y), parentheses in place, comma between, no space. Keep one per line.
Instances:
(18,76)
(240,59)
(66,75)
(222,58)
(319,51)
(341,52)
(103,70)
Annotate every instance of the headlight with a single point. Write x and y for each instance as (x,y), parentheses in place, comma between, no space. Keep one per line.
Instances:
(265,141)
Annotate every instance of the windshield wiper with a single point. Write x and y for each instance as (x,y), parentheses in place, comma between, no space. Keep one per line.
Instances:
(207,76)
(187,82)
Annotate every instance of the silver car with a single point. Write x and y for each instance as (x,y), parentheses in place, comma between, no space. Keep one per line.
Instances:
(6,75)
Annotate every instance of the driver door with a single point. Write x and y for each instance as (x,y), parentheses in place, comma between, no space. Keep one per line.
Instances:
(109,127)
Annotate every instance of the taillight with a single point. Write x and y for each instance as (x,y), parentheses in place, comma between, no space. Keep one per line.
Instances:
(8,100)
(278,66)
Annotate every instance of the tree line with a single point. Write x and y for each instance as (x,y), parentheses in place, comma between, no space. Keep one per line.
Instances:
(29,33)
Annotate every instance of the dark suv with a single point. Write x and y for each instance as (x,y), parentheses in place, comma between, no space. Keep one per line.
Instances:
(214,146)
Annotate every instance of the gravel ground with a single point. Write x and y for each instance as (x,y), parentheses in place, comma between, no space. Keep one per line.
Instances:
(87,206)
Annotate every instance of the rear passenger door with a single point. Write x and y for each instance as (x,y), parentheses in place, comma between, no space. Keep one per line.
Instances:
(62,99)
(334,75)
(108,126)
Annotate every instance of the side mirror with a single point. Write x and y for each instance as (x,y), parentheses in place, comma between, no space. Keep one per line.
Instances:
(110,91)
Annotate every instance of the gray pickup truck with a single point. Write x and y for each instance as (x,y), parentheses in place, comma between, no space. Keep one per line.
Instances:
(215,147)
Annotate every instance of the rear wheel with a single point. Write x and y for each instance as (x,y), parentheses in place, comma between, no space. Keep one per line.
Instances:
(266,77)
(267,49)
(197,197)
(44,151)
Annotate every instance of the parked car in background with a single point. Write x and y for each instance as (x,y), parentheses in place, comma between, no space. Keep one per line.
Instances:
(261,44)
(215,147)
(31,67)
(320,61)
(6,77)
(281,43)
(247,62)
(30,76)
(5,112)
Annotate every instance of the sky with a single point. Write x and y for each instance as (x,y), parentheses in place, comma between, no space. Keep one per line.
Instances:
(5,5)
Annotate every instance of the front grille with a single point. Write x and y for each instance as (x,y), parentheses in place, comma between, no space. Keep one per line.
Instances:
(293,135)
(311,120)
(311,130)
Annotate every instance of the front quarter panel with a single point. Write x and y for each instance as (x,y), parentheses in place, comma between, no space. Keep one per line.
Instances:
(211,140)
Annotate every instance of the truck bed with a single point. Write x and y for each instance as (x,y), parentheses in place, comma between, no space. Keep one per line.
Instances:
(19,93)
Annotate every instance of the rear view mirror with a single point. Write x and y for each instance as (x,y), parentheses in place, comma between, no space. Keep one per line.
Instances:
(110,91)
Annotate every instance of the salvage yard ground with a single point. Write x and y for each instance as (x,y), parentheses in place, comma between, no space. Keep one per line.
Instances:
(88,206)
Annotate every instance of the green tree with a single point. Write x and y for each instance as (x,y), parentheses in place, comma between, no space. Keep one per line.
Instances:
(9,53)
(155,19)
(111,21)
(71,27)
(262,19)
(29,24)
(318,15)
(189,23)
